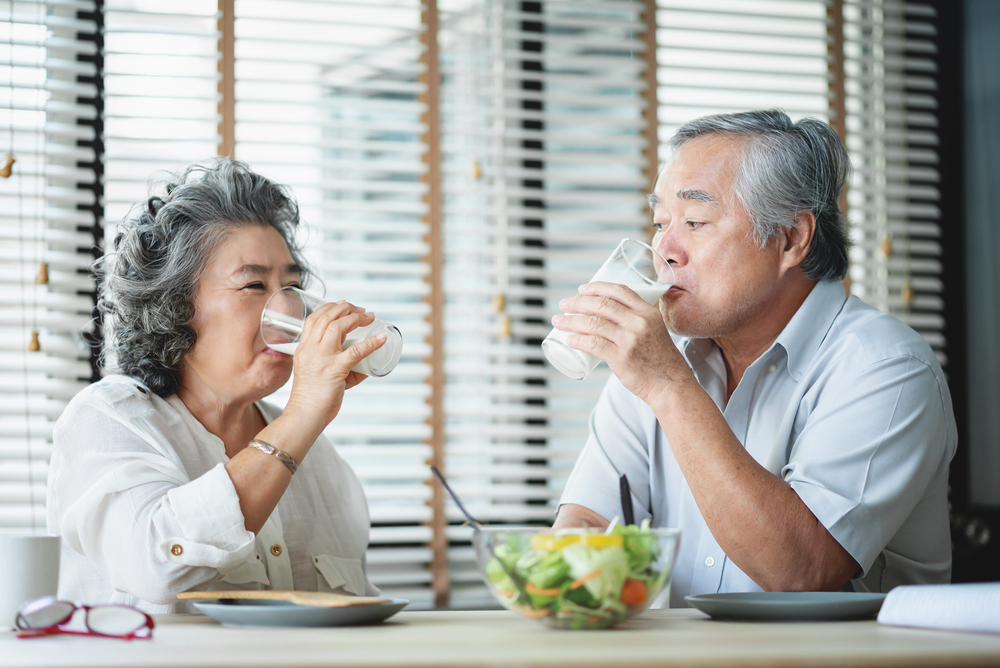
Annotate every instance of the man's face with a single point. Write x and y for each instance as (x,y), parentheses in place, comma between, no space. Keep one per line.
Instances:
(723,279)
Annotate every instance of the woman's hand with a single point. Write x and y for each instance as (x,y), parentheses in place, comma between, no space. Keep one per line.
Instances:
(613,323)
(323,367)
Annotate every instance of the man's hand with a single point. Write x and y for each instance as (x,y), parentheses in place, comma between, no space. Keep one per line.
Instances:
(573,516)
(612,322)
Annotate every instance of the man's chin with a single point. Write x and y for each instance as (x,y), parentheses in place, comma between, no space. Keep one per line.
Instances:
(712,325)
(680,326)
(689,333)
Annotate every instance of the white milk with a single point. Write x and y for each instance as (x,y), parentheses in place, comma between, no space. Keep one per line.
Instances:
(287,348)
(378,359)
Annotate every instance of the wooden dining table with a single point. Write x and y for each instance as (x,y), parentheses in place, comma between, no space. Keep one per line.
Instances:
(681,637)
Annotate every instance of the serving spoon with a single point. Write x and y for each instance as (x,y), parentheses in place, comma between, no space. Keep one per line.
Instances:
(454,497)
(476,526)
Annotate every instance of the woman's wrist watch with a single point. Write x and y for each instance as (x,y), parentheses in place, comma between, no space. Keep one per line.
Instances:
(266,447)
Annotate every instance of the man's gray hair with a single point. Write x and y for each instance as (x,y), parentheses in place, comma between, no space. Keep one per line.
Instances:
(787,168)
(147,285)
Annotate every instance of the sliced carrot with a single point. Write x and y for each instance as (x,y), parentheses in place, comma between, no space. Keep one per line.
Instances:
(576,584)
(534,614)
(507,594)
(532,589)
(593,618)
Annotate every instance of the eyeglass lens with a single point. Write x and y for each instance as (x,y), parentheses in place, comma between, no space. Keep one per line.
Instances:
(114,620)
(48,613)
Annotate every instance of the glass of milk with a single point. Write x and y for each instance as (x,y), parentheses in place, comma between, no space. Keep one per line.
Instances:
(284,316)
(635,265)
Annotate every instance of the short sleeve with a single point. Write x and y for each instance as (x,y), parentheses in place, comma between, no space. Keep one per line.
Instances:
(616,444)
(869,450)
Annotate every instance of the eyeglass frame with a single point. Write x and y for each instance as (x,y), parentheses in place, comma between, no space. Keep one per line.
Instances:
(54,629)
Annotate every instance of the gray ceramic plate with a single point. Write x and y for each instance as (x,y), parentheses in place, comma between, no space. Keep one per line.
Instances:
(255,612)
(789,606)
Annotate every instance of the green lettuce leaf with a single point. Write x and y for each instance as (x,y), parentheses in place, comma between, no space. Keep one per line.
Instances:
(610,561)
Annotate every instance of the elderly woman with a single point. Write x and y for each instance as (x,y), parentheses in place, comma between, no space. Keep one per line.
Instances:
(154,486)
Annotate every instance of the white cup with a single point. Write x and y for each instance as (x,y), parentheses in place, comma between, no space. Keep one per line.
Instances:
(634,264)
(29,569)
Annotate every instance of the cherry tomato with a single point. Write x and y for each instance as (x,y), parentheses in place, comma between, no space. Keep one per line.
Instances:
(634,593)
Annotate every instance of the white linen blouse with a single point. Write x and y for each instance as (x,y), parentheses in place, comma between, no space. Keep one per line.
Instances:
(138,490)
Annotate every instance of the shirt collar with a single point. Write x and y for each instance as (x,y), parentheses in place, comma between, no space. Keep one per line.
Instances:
(808,328)
(695,350)
(800,338)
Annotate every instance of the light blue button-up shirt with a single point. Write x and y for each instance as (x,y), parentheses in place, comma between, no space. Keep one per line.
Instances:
(849,406)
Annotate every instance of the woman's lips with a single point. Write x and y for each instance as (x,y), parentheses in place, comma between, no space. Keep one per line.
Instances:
(275,353)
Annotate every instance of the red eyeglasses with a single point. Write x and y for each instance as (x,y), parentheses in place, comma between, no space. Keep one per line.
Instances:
(50,616)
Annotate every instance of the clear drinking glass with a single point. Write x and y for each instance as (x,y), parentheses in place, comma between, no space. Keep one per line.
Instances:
(284,316)
(635,265)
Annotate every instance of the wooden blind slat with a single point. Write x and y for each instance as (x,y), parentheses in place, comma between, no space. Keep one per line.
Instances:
(227,79)
(431,79)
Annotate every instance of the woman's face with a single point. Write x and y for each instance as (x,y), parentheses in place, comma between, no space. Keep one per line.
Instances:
(229,363)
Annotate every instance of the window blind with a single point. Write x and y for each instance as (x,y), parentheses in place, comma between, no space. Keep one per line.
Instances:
(327,102)
(542,138)
(889,65)
(724,56)
(48,60)
(542,163)
(161,95)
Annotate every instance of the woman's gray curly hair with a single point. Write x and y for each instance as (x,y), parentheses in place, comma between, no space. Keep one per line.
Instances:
(147,285)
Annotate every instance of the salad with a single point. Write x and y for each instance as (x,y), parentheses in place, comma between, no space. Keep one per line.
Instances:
(578,579)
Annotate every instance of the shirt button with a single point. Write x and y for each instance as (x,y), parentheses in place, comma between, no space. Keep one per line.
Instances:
(176,550)
(772,368)
(276,550)
(710,561)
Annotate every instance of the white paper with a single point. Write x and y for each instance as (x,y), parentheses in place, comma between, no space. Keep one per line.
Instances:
(958,607)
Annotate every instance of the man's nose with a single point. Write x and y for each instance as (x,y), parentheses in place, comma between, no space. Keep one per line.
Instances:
(668,245)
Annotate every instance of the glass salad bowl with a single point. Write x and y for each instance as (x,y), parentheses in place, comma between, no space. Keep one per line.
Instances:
(577,578)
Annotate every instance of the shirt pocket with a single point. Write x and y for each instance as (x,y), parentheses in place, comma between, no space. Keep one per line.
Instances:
(251,570)
(339,572)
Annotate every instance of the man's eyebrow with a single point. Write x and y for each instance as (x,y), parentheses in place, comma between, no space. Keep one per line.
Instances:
(260,269)
(697,195)
(653,200)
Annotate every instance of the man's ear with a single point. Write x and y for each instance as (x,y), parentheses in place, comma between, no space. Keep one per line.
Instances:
(797,239)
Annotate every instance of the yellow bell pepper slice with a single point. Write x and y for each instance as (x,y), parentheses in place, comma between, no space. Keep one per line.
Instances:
(548,542)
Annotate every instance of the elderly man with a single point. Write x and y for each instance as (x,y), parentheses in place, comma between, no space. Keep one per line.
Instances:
(799,437)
